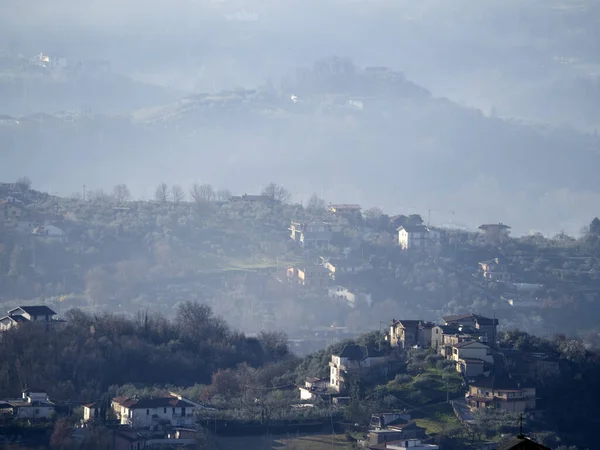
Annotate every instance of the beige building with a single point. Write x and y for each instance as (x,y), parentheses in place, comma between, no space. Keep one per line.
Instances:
(501,393)
(472,358)
(315,276)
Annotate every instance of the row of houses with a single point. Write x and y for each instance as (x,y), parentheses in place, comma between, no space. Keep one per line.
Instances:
(470,342)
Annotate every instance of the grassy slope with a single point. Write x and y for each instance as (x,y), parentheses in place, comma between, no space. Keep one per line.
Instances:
(301,442)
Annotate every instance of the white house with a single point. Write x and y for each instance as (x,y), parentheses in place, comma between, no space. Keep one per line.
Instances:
(24,314)
(417,237)
(34,404)
(315,234)
(353,359)
(352,298)
(146,412)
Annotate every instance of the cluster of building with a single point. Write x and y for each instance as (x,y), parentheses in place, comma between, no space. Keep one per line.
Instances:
(15,217)
(29,314)
(470,342)
(33,404)
(467,340)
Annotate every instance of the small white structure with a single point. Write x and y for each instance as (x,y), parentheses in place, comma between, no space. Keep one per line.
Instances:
(146,412)
(313,389)
(34,404)
(49,231)
(414,444)
(417,237)
(352,298)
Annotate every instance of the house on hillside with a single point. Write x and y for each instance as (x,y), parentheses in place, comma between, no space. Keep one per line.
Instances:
(417,237)
(500,392)
(92,411)
(352,297)
(354,359)
(403,444)
(381,421)
(410,333)
(494,270)
(314,234)
(23,314)
(314,276)
(343,266)
(146,412)
(494,233)
(34,404)
(472,358)
(344,209)
(477,322)
(401,430)
(314,389)
(443,337)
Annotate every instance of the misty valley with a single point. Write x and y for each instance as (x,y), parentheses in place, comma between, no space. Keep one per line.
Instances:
(306,225)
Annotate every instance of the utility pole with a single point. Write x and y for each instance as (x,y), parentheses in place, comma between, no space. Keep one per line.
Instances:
(84,186)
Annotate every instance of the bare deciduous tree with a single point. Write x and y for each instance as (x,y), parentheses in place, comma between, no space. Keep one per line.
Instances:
(177,194)
(162,193)
(223,195)
(277,193)
(315,204)
(207,192)
(121,193)
(24,184)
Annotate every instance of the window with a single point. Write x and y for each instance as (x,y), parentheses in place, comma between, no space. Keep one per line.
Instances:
(182,412)
(147,412)
(165,411)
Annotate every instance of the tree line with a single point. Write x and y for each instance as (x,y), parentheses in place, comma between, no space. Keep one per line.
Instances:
(81,358)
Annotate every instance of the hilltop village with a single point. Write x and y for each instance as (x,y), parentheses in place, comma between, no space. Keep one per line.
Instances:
(392,332)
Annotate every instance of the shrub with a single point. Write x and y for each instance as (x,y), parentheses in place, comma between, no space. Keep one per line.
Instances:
(402,378)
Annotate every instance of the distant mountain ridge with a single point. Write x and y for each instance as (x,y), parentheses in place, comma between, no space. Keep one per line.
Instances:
(365,135)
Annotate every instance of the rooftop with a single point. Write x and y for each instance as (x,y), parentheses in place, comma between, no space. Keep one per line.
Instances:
(413,228)
(520,442)
(476,318)
(158,402)
(503,383)
(344,206)
(467,343)
(487,226)
(33,310)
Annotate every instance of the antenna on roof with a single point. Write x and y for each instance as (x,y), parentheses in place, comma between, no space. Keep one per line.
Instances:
(521,435)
